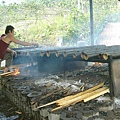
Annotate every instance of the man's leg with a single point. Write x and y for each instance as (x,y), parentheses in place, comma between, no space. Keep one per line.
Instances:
(9,59)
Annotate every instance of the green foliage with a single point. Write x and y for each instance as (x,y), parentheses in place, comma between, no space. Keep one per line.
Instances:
(44,21)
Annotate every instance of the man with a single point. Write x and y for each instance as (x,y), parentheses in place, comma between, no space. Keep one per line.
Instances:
(5,40)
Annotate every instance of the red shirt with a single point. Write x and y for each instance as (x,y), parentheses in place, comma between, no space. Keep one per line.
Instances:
(3,47)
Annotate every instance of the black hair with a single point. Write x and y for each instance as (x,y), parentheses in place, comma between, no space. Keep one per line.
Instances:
(9,27)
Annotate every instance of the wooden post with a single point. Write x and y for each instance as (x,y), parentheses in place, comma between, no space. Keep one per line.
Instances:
(111,78)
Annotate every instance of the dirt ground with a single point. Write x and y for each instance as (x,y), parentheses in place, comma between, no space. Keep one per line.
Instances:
(110,35)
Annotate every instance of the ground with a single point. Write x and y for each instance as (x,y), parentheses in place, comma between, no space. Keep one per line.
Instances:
(110,35)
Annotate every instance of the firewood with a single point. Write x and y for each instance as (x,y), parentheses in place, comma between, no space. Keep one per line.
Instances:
(9,74)
(81,93)
(67,88)
(3,74)
(71,97)
(80,98)
(18,112)
(45,96)
(96,95)
(60,107)
(44,105)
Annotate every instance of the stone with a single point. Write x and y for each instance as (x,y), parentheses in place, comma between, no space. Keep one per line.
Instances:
(79,115)
(52,116)
(44,112)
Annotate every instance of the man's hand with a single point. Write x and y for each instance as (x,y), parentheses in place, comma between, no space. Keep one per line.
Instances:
(35,44)
(14,53)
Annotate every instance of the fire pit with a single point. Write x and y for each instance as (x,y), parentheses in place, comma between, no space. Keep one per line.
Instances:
(49,92)
(31,94)
(71,58)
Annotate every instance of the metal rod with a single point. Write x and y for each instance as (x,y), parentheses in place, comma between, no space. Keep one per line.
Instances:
(91,23)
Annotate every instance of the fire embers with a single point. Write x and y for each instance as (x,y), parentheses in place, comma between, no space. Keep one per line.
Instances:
(12,73)
(16,72)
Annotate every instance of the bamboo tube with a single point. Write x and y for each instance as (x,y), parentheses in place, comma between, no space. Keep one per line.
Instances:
(65,54)
(48,53)
(41,54)
(87,56)
(113,54)
(105,56)
(57,53)
(90,53)
(75,55)
(73,50)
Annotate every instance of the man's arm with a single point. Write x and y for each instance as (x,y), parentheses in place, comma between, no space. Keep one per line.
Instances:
(24,43)
(9,50)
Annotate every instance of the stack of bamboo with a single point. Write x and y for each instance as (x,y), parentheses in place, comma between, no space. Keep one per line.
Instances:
(84,96)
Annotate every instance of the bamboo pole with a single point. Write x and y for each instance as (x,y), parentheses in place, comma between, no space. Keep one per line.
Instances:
(72,96)
(96,95)
(78,99)
(81,93)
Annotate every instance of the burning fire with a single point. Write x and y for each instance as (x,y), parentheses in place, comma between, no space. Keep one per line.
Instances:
(16,72)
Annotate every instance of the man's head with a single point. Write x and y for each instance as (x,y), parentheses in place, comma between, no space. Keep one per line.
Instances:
(8,29)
